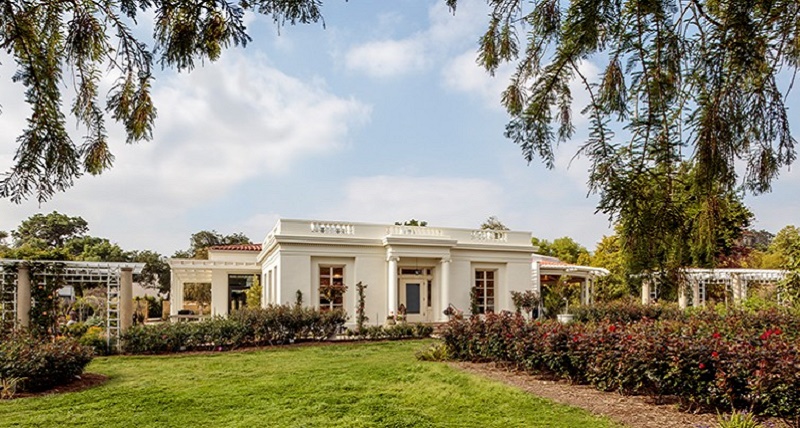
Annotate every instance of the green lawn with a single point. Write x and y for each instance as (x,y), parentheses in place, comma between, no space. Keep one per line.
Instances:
(354,385)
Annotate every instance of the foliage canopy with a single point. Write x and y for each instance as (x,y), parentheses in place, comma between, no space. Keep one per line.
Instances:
(58,45)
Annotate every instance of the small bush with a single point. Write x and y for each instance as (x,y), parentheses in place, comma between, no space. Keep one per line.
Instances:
(435,352)
(30,364)
(94,338)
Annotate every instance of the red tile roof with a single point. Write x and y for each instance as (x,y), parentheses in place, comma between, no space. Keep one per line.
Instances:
(237,247)
(554,263)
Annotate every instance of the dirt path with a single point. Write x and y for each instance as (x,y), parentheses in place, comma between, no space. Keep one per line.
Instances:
(634,412)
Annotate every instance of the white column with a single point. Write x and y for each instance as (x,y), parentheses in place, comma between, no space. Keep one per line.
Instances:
(738,287)
(392,287)
(445,288)
(646,291)
(696,293)
(125,299)
(24,296)
(682,303)
(175,294)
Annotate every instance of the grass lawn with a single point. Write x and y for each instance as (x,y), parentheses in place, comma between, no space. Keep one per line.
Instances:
(352,385)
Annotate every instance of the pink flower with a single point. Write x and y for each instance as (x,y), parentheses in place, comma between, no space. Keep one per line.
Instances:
(702,366)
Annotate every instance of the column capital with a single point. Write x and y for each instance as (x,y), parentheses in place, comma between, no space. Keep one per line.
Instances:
(446,259)
(392,258)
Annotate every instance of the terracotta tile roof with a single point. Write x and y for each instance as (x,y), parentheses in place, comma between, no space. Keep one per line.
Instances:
(552,263)
(237,247)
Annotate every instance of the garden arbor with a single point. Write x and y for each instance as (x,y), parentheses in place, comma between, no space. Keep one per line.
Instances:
(547,269)
(19,278)
(735,283)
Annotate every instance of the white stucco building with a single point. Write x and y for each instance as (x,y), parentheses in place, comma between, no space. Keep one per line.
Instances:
(424,269)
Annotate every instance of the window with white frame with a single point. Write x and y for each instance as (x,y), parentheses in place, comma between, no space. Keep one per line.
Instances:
(485,290)
(331,287)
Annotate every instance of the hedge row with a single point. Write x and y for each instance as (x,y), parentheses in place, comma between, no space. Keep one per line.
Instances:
(33,364)
(249,327)
(709,361)
(393,332)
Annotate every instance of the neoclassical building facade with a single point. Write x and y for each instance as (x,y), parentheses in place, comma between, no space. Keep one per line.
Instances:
(417,270)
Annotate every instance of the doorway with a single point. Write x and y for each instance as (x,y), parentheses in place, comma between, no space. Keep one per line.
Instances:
(415,294)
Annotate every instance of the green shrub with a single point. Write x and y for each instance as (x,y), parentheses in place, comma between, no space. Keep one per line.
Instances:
(738,420)
(435,352)
(93,337)
(248,327)
(34,364)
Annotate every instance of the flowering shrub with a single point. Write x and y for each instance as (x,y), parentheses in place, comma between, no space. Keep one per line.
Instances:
(710,360)
(249,327)
(35,364)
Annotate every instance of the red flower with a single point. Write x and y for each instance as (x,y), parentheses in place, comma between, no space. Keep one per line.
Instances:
(716,335)
(777,331)
(612,328)
(715,354)
(702,366)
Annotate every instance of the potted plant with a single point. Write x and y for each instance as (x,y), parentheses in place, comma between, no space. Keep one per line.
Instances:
(401,313)
(566,317)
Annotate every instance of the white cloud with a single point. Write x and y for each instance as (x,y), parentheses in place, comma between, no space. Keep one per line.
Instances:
(443,201)
(218,127)
(463,74)
(388,57)
(391,57)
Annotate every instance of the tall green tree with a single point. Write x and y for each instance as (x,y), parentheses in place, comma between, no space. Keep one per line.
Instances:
(681,83)
(53,230)
(565,249)
(609,255)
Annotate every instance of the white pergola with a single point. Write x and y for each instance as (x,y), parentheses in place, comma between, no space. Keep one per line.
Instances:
(185,271)
(17,277)
(549,266)
(735,281)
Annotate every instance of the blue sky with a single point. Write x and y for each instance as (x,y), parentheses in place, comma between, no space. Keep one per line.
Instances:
(381,116)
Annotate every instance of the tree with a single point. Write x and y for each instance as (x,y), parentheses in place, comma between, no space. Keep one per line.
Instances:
(59,45)
(690,83)
(609,255)
(564,249)
(156,272)
(94,249)
(253,294)
(493,223)
(201,241)
(199,293)
(787,245)
(52,230)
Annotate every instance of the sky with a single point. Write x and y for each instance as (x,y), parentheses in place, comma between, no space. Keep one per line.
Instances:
(382,115)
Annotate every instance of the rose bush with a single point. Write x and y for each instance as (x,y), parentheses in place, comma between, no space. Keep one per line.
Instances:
(709,360)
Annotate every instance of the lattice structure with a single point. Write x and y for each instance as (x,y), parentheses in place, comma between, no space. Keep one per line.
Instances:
(735,281)
(8,296)
(105,274)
